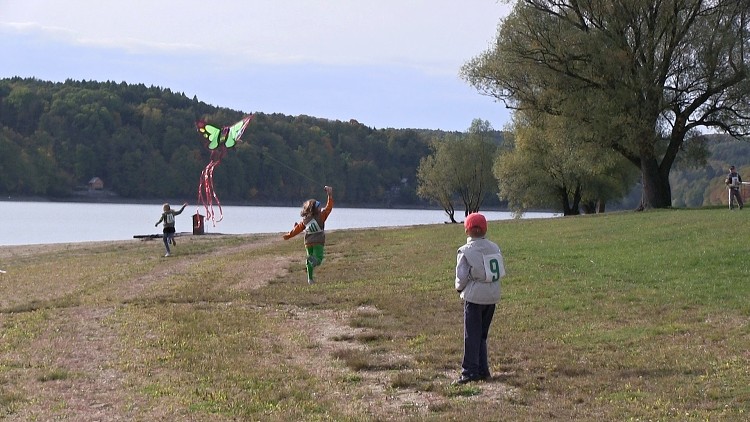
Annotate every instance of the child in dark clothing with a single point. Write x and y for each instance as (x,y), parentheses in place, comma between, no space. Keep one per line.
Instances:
(167,217)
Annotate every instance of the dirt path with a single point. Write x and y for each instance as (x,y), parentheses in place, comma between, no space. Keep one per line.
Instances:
(248,273)
(81,349)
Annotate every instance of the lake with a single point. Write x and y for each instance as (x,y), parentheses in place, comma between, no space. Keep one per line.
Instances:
(27,223)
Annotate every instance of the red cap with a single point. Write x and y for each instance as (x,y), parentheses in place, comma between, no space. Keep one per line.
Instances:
(475,220)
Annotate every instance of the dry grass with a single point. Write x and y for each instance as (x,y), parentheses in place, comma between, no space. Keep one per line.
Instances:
(618,317)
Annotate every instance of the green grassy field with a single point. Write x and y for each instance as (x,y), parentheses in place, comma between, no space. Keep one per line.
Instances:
(622,316)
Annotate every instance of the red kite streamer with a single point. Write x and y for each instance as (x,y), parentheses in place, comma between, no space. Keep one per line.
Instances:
(218,140)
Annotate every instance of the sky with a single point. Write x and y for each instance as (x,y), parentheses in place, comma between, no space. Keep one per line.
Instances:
(384,63)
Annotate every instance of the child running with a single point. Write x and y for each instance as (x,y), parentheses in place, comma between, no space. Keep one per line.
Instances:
(167,217)
(313,224)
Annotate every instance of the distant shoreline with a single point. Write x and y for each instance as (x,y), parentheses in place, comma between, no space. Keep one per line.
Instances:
(146,201)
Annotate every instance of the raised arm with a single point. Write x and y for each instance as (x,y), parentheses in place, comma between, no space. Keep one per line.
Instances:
(329,203)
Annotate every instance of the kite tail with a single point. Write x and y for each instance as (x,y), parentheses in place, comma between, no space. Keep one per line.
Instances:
(203,192)
(206,193)
(211,195)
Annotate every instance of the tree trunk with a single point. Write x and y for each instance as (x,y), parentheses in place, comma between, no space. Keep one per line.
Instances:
(656,190)
(601,206)
(577,200)
(448,208)
(593,207)
(568,207)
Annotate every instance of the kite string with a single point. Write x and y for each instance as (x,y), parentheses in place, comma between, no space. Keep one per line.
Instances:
(263,153)
(207,194)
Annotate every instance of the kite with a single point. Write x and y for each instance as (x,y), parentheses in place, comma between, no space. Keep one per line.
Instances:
(218,140)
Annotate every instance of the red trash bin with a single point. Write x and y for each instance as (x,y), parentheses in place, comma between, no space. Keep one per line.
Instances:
(197,223)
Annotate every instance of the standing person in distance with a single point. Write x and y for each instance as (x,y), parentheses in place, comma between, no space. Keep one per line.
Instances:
(479,268)
(167,216)
(733,182)
(313,224)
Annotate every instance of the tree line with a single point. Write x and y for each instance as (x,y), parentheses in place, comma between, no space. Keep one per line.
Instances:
(142,142)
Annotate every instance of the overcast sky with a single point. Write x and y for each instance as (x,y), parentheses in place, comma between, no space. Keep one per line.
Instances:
(385,63)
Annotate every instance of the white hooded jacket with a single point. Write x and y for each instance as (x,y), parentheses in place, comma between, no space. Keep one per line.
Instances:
(479,269)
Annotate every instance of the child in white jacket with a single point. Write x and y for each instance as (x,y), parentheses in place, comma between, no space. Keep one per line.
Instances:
(479,268)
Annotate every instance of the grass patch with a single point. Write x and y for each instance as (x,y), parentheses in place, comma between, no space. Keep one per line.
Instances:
(10,401)
(54,375)
(621,316)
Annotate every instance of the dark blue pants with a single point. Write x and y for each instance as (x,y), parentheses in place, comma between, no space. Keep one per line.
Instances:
(477,320)
(168,236)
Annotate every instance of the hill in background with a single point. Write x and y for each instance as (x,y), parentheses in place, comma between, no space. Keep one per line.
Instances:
(141,142)
(56,139)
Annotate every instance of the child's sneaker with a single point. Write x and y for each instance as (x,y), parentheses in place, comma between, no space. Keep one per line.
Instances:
(310,281)
(166,255)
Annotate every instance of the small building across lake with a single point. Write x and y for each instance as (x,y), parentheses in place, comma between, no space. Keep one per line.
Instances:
(96,184)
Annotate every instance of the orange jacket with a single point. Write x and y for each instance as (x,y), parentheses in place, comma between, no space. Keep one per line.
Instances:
(313,238)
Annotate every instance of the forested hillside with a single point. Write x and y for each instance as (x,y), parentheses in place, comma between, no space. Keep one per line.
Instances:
(142,142)
(701,185)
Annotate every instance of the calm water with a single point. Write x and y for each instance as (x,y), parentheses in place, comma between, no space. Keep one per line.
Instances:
(26,223)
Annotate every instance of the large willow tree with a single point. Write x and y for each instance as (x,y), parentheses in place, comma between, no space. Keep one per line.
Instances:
(550,169)
(638,76)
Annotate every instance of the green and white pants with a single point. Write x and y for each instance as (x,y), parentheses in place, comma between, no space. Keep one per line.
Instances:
(315,254)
